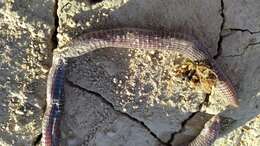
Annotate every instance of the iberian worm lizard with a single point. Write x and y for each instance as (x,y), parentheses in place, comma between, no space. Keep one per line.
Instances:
(145,39)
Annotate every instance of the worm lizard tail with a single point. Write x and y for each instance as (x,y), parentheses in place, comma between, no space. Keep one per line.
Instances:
(224,85)
(55,98)
(208,134)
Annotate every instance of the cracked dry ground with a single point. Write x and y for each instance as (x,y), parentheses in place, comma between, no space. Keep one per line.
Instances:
(152,112)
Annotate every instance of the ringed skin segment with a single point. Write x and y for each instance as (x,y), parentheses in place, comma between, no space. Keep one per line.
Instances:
(208,134)
(145,39)
(55,99)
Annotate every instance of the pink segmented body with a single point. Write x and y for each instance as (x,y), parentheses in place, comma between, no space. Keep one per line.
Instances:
(138,39)
(129,38)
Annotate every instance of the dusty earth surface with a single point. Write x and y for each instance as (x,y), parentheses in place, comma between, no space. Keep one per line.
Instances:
(129,97)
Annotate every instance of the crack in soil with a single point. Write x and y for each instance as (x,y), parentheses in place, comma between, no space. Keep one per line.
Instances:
(37,140)
(72,84)
(244,50)
(220,40)
(95,1)
(242,30)
(54,37)
(183,124)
